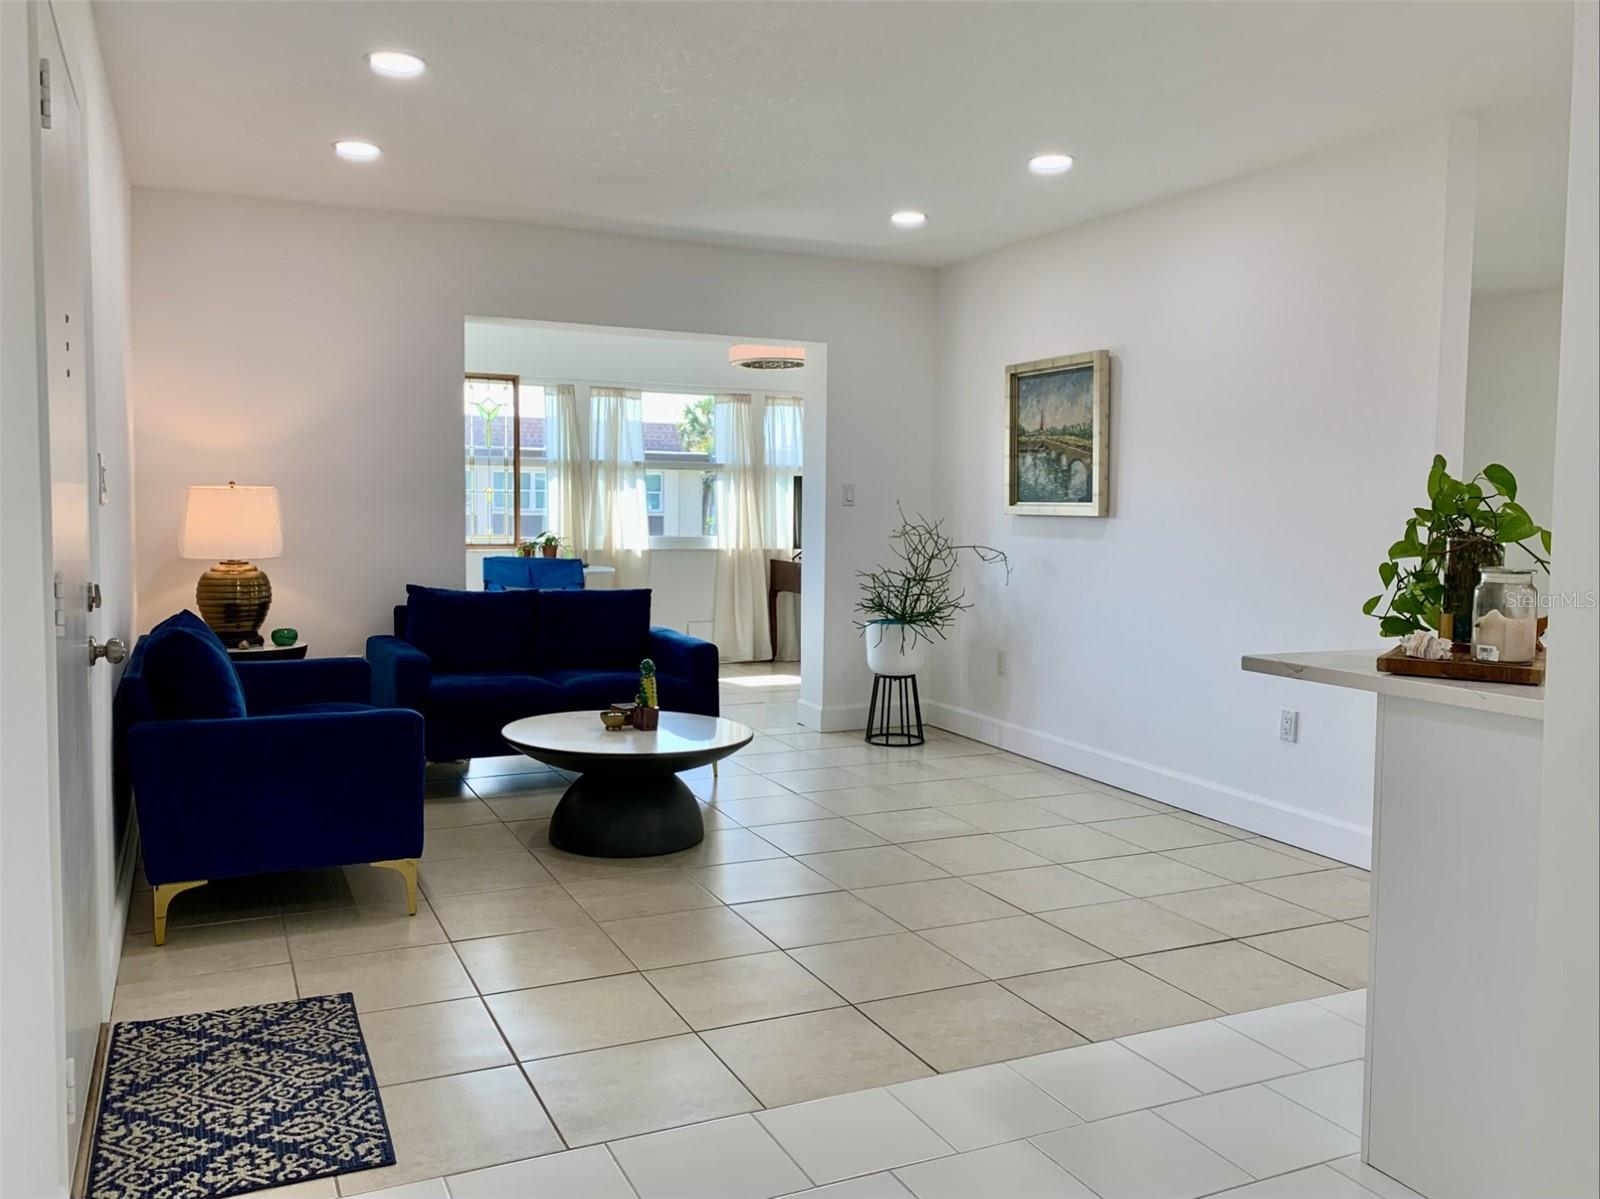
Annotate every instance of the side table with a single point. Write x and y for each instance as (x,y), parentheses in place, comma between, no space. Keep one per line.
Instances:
(269,652)
(882,726)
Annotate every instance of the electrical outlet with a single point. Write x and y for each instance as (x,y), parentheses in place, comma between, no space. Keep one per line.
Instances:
(72,1089)
(1289,725)
(849,495)
(1000,661)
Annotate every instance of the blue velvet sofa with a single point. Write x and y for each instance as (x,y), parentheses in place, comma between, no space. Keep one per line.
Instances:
(252,768)
(473,661)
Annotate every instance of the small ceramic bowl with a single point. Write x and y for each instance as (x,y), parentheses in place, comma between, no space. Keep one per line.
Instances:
(614,720)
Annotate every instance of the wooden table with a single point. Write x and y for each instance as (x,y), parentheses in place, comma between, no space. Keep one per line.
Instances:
(784,576)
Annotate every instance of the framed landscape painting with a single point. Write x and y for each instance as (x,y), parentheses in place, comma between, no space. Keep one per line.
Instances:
(1058,460)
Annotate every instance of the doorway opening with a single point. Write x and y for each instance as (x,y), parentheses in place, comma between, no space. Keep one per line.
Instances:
(664,460)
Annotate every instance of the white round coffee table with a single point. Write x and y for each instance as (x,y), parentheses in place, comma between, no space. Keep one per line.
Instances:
(627,801)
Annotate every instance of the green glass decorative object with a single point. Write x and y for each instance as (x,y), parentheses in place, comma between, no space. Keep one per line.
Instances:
(285,637)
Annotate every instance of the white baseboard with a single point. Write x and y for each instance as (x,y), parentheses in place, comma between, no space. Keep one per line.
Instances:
(1333,838)
(831,718)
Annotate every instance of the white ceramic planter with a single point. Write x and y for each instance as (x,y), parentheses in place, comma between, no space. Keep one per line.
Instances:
(891,648)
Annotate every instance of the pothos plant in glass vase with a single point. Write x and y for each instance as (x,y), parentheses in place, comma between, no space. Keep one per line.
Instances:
(914,599)
(1431,572)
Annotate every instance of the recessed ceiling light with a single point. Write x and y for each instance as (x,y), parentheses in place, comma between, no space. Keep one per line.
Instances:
(908,218)
(396,64)
(356,151)
(1050,164)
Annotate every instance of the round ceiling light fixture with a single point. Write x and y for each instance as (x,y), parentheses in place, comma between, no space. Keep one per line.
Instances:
(354,150)
(767,358)
(396,64)
(908,218)
(1050,164)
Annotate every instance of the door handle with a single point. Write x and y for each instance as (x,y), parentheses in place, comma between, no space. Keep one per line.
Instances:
(114,650)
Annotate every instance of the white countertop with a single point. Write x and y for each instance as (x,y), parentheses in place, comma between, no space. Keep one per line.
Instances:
(1358,669)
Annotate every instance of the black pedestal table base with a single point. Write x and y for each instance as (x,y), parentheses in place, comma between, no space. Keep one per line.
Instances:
(626,816)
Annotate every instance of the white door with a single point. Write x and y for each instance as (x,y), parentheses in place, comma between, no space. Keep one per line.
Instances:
(65,253)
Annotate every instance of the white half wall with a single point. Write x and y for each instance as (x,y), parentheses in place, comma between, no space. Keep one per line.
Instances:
(320,349)
(1512,360)
(1275,345)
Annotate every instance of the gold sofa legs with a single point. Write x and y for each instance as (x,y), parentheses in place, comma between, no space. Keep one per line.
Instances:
(407,869)
(713,770)
(163,895)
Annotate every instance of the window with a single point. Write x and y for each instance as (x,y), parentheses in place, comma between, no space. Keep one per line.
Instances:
(655,501)
(680,490)
(502,425)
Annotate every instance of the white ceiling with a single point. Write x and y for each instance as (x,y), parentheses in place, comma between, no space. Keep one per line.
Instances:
(794,125)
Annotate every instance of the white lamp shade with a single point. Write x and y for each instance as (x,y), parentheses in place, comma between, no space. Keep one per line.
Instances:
(231,522)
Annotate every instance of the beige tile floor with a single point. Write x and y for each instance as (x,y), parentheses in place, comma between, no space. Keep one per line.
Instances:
(856,918)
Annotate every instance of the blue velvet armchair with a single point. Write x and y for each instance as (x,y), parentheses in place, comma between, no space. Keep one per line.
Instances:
(295,771)
(505,572)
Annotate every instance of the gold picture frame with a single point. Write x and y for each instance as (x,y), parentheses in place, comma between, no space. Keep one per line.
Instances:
(1058,436)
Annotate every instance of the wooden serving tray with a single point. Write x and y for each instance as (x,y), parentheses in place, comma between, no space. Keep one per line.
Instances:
(1463,668)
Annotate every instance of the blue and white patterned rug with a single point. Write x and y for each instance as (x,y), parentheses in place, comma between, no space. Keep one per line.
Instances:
(222,1103)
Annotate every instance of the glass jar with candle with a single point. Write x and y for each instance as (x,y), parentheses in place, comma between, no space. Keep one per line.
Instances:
(1505,617)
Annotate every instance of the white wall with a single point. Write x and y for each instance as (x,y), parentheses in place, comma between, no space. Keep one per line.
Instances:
(32,1097)
(1512,358)
(1564,1110)
(1275,346)
(297,344)
(646,360)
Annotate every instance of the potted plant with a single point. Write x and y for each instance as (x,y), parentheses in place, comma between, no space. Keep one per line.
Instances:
(546,545)
(1430,573)
(913,600)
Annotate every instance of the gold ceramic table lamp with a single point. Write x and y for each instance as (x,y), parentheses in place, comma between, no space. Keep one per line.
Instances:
(233,524)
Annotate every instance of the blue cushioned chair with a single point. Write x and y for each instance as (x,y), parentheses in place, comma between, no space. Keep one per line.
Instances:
(473,661)
(512,572)
(261,767)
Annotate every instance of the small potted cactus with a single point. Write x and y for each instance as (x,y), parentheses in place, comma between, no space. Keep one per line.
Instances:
(647,715)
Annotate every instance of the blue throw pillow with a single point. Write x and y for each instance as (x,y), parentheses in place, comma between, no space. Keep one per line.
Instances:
(188,673)
(472,631)
(597,630)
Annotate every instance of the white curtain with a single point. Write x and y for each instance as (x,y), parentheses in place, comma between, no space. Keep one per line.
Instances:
(784,426)
(618,528)
(567,468)
(739,611)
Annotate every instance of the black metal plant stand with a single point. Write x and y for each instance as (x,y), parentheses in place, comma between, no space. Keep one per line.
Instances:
(881,723)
